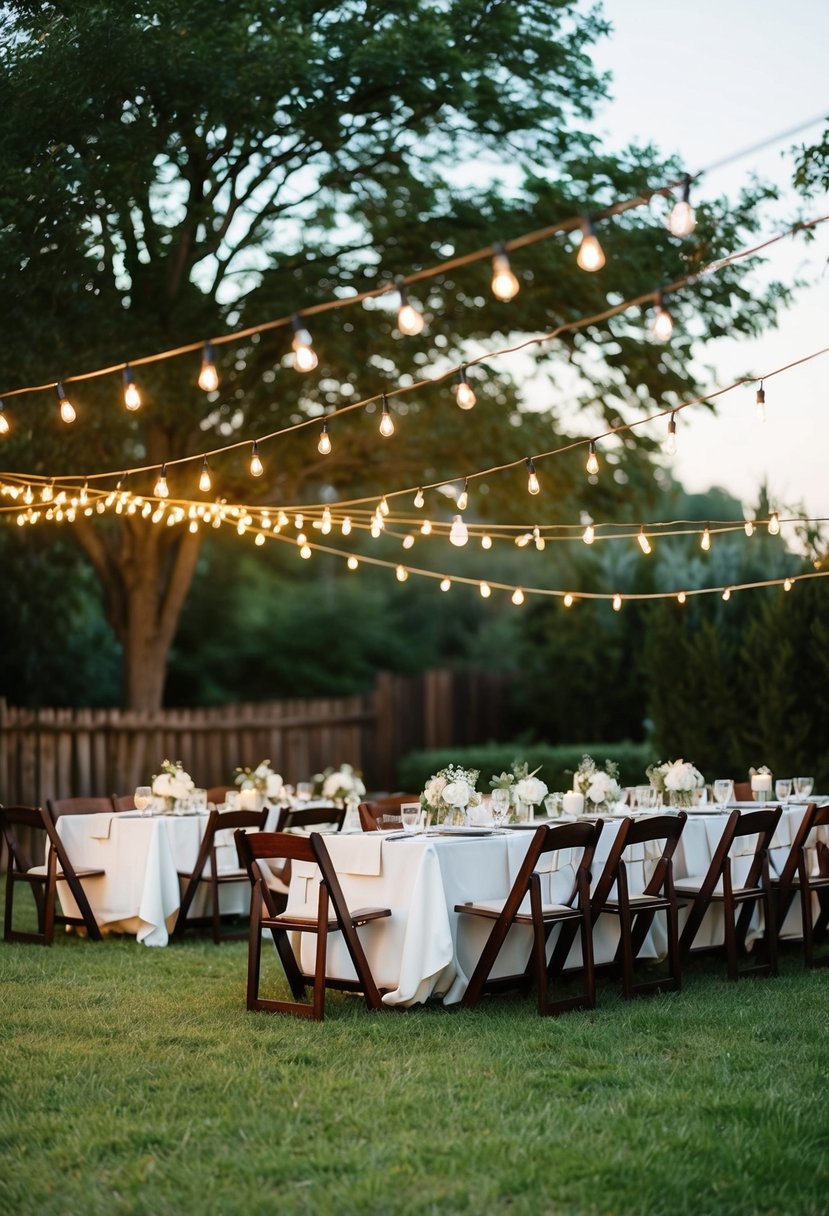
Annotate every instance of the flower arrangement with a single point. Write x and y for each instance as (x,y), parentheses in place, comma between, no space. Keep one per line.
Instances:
(600,787)
(450,790)
(522,784)
(172,783)
(343,784)
(262,779)
(679,779)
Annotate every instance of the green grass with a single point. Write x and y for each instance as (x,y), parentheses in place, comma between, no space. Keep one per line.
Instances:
(133,1081)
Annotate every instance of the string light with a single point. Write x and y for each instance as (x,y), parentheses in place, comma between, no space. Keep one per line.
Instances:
(204,479)
(445,584)
(409,321)
(617,602)
(682,220)
(591,255)
(208,376)
(568,600)
(345,526)
(256,466)
(760,401)
(419,499)
(774,524)
(458,533)
(486,541)
(260,536)
(540,542)
(352,562)
(592,465)
(518,596)
(305,358)
(670,439)
(48,492)
(787,584)
(408,541)
(464,395)
(532,480)
(505,285)
(681,597)
(589,534)
(67,410)
(305,551)
(663,322)
(4,422)
(160,489)
(486,591)
(748,527)
(132,397)
(705,543)
(402,574)
(426,528)
(726,594)
(644,543)
(324,445)
(386,420)
(463,497)
(383,506)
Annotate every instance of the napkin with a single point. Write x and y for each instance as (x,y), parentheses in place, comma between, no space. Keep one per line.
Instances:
(358,854)
(99,825)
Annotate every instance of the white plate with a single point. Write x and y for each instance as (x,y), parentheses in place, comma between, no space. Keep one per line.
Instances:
(461,831)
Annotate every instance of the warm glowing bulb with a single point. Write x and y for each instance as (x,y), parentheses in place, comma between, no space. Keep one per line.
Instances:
(204,479)
(682,221)
(617,602)
(160,489)
(486,591)
(47,493)
(67,410)
(375,529)
(705,543)
(591,255)
(644,543)
(463,497)
(464,394)
(774,524)
(568,600)
(458,533)
(486,542)
(132,397)
(402,574)
(305,359)
(325,523)
(518,596)
(787,584)
(386,420)
(505,285)
(426,528)
(445,584)
(324,445)
(532,480)
(760,402)
(4,422)
(419,499)
(663,322)
(589,534)
(670,439)
(408,541)
(409,320)
(680,599)
(208,376)
(305,552)
(383,506)
(352,563)
(727,594)
(260,536)
(748,527)
(592,465)
(256,466)
(345,527)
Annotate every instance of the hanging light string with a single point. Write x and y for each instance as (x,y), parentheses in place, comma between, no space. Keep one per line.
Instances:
(439,268)
(524,344)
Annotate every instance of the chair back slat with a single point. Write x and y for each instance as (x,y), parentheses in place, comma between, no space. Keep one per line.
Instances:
(647,830)
(78,806)
(310,816)
(763,824)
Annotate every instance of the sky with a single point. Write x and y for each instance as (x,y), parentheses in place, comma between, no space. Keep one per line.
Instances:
(706,79)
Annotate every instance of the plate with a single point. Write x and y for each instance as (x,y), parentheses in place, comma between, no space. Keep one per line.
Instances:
(461,831)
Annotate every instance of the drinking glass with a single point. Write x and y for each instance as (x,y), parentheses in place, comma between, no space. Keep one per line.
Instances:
(143,799)
(198,800)
(410,816)
(803,786)
(644,798)
(723,791)
(500,806)
(305,791)
(783,789)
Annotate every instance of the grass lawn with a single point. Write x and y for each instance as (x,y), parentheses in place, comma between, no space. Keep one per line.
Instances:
(134,1081)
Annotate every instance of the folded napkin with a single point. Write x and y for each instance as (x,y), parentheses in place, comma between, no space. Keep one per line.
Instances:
(99,825)
(358,854)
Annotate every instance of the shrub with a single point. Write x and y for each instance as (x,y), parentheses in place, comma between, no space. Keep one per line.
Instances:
(557,763)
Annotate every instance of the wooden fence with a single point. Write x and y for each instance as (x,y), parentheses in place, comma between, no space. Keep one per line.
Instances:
(58,753)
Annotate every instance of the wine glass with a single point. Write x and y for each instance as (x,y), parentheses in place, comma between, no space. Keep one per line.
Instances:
(410,816)
(304,791)
(143,798)
(803,786)
(723,791)
(500,806)
(783,789)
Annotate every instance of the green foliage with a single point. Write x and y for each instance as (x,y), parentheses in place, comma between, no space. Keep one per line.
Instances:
(557,763)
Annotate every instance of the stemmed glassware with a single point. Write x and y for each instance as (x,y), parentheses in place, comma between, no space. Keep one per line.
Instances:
(723,791)
(803,786)
(500,807)
(783,789)
(304,791)
(143,799)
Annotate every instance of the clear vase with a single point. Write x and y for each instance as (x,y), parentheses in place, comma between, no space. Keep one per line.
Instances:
(681,800)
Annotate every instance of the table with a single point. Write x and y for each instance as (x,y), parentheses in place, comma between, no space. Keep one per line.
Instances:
(425,949)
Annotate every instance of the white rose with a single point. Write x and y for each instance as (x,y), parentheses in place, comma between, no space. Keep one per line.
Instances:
(531,789)
(163,786)
(273,785)
(332,785)
(434,789)
(357,786)
(247,783)
(456,793)
(262,770)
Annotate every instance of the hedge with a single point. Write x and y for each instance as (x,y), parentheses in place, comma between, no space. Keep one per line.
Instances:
(557,764)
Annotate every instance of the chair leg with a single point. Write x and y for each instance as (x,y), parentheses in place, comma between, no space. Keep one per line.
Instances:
(730,934)
(539,951)
(587,957)
(9,904)
(626,949)
(319,968)
(674,955)
(254,952)
(771,931)
(214,901)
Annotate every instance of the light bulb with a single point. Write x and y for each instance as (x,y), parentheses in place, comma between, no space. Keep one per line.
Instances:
(523,540)
(160,488)
(486,541)
(591,255)
(299,522)
(419,499)
(463,393)
(324,445)
(486,591)
(305,359)
(463,497)
(670,439)
(426,528)
(386,420)
(375,529)
(345,527)
(132,397)
(727,594)
(682,221)
(305,552)
(458,533)
(774,524)
(4,422)
(644,543)
(383,506)
(401,573)
(325,522)
(680,599)
(589,534)
(617,602)
(505,285)
(445,584)
(663,322)
(592,465)
(352,563)
(408,541)
(48,492)
(260,536)
(787,584)
(761,403)
(705,543)
(532,481)
(748,527)
(256,466)
(208,376)
(204,479)
(409,320)
(568,600)
(518,596)
(67,410)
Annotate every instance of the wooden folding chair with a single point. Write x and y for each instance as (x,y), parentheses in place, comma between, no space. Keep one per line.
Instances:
(206,870)
(43,879)
(797,876)
(717,888)
(78,806)
(330,914)
(383,814)
(123,802)
(310,816)
(541,917)
(636,912)
(743,791)
(217,794)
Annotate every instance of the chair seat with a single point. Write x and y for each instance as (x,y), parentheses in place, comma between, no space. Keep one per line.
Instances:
(41,872)
(235,875)
(491,909)
(306,917)
(691,886)
(637,903)
(816,882)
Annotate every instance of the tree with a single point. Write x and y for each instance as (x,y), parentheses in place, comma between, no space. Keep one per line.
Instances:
(191,168)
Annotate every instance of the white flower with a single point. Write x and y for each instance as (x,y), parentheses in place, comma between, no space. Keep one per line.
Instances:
(681,775)
(602,788)
(434,790)
(163,785)
(530,789)
(273,785)
(457,793)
